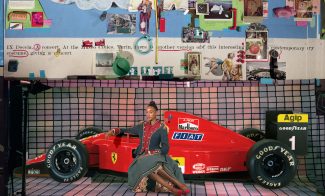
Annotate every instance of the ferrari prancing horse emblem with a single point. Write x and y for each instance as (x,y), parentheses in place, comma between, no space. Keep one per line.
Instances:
(114,157)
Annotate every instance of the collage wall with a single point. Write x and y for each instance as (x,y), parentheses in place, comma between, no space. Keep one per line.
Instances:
(122,39)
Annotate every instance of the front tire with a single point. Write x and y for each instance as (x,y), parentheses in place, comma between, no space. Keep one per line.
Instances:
(67,160)
(87,132)
(271,164)
(253,134)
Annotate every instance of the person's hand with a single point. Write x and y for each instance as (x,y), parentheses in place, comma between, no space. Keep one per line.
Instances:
(109,133)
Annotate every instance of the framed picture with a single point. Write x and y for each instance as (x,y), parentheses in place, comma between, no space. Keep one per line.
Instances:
(256,45)
(194,63)
(202,9)
(121,23)
(195,35)
(258,70)
(305,9)
(192,4)
(104,64)
(16,26)
(219,10)
(253,8)
(253,11)
(104,59)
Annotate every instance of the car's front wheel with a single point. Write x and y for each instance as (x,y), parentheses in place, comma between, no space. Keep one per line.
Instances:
(271,164)
(67,160)
(87,132)
(253,134)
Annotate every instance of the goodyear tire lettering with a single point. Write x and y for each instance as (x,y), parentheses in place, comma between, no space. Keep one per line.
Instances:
(58,170)
(261,159)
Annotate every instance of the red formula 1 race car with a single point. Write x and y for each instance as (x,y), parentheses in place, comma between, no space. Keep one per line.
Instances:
(198,145)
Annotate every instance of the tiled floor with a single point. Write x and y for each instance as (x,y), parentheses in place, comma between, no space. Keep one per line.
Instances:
(105,184)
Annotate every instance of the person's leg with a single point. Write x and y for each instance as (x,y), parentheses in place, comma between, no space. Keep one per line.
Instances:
(142,186)
(175,181)
(158,179)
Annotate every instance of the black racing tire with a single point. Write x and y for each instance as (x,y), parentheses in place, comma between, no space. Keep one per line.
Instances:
(271,164)
(67,160)
(89,131)
(253,134)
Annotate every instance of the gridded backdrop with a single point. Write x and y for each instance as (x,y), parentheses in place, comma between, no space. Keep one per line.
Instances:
(71,105)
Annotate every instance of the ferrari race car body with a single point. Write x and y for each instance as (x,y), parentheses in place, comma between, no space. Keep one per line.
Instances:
(198,145)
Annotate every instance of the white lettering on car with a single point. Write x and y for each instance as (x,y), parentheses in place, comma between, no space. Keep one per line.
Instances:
(270,184)
(285,152)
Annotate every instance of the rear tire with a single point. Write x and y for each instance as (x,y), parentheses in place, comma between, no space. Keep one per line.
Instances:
(67,160)
(253,134)
(271,164)
(87,132)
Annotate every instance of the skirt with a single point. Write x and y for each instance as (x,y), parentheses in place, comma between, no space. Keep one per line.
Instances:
(142,166)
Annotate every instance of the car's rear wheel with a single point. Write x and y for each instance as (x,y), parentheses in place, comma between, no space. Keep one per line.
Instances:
(87,132)
(253,134)
(271,164)
(67,160)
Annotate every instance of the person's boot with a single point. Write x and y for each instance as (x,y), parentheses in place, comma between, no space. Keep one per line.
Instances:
(161,181)
(183,187)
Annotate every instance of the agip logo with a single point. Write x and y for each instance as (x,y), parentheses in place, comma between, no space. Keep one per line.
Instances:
(293,118)
(188,124)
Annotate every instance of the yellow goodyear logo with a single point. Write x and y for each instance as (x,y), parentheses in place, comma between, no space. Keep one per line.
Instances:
(181,162)
(290,118)
(114,157)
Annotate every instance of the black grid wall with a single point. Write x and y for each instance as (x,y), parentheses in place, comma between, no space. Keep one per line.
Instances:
(70,106)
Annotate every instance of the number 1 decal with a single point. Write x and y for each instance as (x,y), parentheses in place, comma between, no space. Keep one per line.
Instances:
(293,142)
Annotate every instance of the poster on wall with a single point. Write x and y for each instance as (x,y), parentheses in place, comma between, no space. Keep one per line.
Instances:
(306,9)
(256,45)
(219,10)
(227,68)
(259,70)
(253,11)
(87,38)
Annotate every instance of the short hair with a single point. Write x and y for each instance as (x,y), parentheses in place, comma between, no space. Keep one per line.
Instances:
(153,104)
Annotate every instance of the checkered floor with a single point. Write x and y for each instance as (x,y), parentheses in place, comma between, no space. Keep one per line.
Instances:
(105,184)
